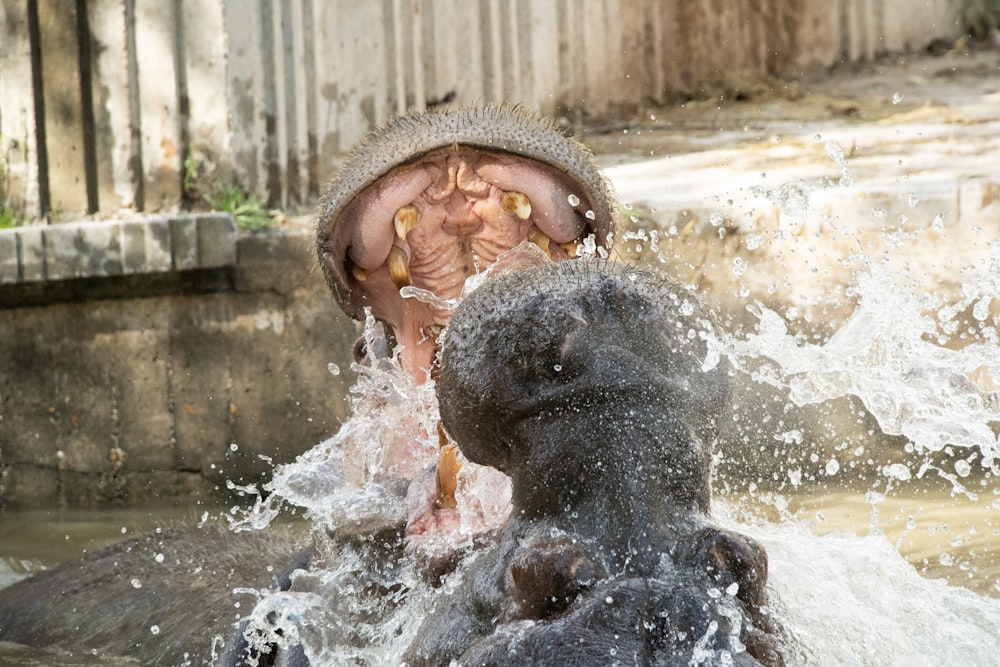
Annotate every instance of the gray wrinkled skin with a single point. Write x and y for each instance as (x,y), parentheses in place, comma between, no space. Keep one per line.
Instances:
(584,382)
(160,598)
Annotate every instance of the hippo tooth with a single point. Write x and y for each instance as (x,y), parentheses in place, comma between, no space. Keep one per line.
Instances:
(399,267)
(516,203)
(404,220)
(572,249)
(360,273)
(539,238)
(447,471)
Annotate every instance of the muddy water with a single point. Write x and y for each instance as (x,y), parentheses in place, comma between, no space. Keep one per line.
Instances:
(943,536)
(34,539)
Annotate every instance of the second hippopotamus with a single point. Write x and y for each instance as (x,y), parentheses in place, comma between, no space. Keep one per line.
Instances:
(595,387)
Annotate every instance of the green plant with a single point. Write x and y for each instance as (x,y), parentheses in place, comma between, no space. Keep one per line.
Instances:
(10,216)
(249,210)
(979,18)
(189,181)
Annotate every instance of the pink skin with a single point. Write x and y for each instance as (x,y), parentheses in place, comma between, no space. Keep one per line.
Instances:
(461,228)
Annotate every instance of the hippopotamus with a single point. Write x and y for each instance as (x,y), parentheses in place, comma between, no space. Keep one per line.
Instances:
(595,388)
(423,202)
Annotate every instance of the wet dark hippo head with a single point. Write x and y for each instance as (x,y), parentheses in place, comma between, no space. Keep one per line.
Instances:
(570,376)
(595,387)
(432,198)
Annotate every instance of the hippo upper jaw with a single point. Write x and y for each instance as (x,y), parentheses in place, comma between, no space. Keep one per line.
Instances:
(431,199)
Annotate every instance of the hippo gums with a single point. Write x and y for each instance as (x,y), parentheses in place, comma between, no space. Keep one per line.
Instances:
(592,386)
(422,203)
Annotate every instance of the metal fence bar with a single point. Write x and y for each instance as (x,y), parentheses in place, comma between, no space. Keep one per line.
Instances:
(113,104)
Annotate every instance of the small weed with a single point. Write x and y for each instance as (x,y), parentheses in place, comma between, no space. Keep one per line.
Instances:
(249,210)
(979,18)
(10,215)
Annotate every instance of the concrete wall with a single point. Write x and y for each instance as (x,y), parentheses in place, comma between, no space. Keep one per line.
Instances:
(99,112)
(124,389)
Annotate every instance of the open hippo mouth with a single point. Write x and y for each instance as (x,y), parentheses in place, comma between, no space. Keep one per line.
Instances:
(433,198)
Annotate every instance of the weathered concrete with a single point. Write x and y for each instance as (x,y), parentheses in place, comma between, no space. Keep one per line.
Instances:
(270,96)
(111,248)
(133,388)
(771,201)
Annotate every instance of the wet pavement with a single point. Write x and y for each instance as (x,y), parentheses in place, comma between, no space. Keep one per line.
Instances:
(897,161)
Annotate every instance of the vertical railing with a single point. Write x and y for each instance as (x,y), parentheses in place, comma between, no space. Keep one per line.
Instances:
(104,103)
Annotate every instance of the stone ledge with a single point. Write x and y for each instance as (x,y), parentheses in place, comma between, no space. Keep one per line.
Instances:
(115,248)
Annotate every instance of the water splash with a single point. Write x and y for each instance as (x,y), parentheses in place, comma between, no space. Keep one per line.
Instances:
(882,355)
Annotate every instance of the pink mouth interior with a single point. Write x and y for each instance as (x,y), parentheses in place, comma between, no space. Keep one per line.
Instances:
(461,228)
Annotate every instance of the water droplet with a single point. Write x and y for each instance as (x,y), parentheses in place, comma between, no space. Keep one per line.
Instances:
(832,467)
(963,468)
(733,589)
(981,310)
(609,600)
(715,219)
(897,471)
(896,98)
(793,198)
(590,215)
(739,266)
(154,629)
(233,447)
(835,152)
(136,583)
(878,212)
(158,558)
(753,241)
(333,368)
(557,368)
(573,200)
(686,308)
(912,200)
(945,559)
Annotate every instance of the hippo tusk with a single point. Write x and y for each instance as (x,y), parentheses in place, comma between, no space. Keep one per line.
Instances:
(404,221)
(447,471)
(572,249)
(540,239)
(516,203)
(399,267)
(359,272)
